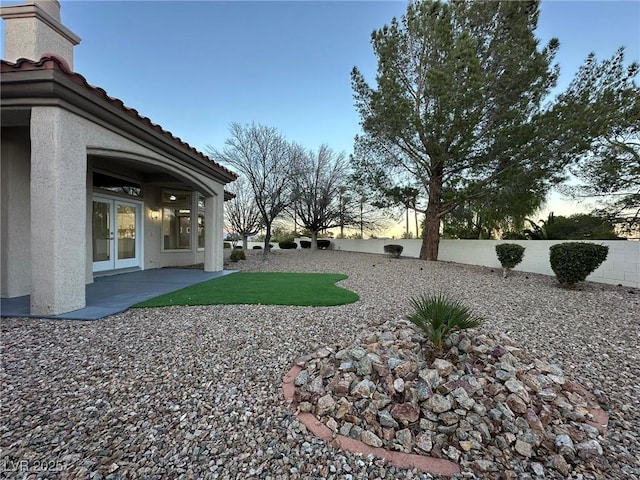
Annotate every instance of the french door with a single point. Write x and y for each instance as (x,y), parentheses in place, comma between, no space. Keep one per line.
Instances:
(117,233)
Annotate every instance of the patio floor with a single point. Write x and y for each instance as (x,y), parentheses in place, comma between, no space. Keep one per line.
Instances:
(113,294)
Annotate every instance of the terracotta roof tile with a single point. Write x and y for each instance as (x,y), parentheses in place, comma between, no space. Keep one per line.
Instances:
(54,63)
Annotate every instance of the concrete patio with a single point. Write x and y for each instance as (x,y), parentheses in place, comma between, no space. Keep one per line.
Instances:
(113,294)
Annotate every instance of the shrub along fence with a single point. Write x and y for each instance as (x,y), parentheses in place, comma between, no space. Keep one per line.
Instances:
(622,265)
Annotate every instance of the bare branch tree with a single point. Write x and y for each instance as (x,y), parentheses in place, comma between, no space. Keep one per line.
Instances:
(264,157)
(319,193)
(242,216)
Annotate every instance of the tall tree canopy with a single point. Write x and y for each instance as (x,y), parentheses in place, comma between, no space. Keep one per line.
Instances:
(610,172)
(579,226)
(459,107)
(265,158)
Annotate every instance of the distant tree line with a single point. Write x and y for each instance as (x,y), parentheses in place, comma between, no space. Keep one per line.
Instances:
(280,179)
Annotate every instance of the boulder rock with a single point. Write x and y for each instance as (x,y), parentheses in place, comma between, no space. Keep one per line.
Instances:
(363,389)
(386,420)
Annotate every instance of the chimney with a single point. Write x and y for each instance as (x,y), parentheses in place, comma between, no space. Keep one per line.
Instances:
(33,30)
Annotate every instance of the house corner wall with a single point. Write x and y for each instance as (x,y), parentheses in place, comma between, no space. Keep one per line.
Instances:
(58,211)
(214,215)
(15,262)
(88,270)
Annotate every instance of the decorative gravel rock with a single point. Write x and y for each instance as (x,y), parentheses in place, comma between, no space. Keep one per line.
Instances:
(405,412)
(475,414)
(589,449)
(371,439)
(438,404)
(195,392)
(326,405)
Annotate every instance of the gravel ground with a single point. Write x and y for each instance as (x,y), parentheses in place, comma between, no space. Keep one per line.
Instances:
(194,392)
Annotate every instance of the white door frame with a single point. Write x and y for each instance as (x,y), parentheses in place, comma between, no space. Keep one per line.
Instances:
(114,263)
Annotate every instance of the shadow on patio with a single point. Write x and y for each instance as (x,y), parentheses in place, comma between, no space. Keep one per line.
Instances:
(113,294)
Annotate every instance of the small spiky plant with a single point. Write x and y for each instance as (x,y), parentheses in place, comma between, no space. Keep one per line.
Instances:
(438,317)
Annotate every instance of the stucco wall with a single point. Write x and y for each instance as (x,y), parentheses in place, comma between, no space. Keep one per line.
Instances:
(103,140)
(28,38)
(65,142)
(58,211)
(15,261)
(621,267)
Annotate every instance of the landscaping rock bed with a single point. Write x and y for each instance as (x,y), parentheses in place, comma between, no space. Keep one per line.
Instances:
(195,392)
(486,405)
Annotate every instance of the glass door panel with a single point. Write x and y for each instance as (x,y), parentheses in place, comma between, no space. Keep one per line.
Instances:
(126,219)
(102,234)
(116,238)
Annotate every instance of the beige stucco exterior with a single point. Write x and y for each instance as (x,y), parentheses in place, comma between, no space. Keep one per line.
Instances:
(57,133)
(15,215)
(33,29)
(46,199)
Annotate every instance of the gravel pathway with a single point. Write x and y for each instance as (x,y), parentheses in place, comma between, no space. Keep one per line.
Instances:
(194,392)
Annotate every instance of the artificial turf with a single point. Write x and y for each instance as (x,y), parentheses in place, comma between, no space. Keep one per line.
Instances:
(265,288)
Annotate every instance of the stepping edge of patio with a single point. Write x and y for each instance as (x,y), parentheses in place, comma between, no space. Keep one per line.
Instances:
(112,294)
(427,464)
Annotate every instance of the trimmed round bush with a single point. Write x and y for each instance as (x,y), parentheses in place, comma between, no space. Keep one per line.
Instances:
(323,244)
(288,245)
(509,255)
(573,262)
(305,243)
(393,250)
(226,245)
(238,254)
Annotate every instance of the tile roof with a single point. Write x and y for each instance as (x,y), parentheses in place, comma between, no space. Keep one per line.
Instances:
(55,63)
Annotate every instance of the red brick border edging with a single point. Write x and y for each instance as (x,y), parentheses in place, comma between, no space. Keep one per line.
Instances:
(600,417)
(398,459)
(409,460)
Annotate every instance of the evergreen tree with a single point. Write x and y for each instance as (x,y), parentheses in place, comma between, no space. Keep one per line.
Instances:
(458,107)
(608,100)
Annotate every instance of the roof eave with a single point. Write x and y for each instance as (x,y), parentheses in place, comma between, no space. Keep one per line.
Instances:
(37,87)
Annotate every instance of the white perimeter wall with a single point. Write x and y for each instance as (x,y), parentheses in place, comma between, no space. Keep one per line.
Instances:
(622,265)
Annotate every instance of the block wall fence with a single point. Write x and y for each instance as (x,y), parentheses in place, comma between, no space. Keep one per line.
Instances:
(622,266)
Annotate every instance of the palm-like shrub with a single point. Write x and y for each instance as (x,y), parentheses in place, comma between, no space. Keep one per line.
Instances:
(509,255)
(438,317)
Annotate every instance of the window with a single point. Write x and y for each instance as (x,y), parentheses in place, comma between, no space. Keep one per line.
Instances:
(200,221)
(116,185)
(176,220)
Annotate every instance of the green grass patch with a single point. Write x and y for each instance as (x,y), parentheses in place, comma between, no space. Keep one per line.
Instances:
(265,288)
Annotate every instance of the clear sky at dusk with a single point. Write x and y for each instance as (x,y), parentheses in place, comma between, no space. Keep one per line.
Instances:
(195,67)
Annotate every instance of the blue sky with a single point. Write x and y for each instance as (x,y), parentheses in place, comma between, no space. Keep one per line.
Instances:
(195,67)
